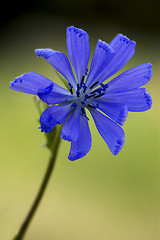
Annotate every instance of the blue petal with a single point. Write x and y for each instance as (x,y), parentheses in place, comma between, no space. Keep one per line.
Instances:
(45,92)
(123,49)
(137,100)
(34,83)
(70,129)
(54,115)
(55,97)
(110,131)
(102,56)
(82,145)
(131,79)
(117,111)
(78,50)
(30,83)
(60,62)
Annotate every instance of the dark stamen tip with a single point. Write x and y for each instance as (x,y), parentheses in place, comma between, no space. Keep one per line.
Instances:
(83,79)
(90,96)
(104,86)
(77,92)
(93,85)
(91,106)
(71,91)
(77,86)
(83,111)
(70,88)
(100,95)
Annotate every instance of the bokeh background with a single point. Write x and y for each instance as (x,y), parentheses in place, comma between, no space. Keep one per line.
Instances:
(100,196)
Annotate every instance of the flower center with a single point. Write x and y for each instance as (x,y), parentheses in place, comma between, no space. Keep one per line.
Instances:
(84,94)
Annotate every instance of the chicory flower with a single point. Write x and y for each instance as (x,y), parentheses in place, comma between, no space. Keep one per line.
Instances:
(108,103)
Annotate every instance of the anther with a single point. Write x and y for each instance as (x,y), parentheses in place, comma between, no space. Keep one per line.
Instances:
(104,86)
(85,98)
(77,86)
(90,96)
(100,95)
(83,79)
(70,88)
(77,92)
(93,85)
(96,91)
(71,91)
(83,111)
(91,106)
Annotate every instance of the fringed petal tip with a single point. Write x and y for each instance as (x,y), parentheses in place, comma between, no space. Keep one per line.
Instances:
(78,31)
(47,122)
(68,138)
(47,126)
(65,137)
(44,52)
(148,100)
(45,129)
(122,115)
(17,80)
(77,156)
(149,73)
(118,147)
(106,47)
(125,39)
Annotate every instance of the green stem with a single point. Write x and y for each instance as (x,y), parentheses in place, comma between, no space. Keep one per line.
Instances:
(42,188)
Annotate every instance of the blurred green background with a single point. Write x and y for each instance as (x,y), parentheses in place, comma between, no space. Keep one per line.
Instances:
(100,196)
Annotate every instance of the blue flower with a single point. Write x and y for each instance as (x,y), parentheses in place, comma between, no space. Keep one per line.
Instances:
(107,103)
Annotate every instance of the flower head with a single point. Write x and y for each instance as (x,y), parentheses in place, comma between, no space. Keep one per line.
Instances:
(108,103)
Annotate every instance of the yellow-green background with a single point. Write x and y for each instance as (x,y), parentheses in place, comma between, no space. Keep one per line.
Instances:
(101,196)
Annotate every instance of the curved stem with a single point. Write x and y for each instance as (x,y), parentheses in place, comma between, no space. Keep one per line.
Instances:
(41,191)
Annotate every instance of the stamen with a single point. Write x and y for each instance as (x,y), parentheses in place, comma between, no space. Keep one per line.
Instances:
(83,113)
(92,106)
(85,98)
(83,79)
(96,91)
(70,88)
(84,89)
(77,92)
(94,84)
(99,91)
(90,96)
(100,95)
(71,91)
(104,86)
